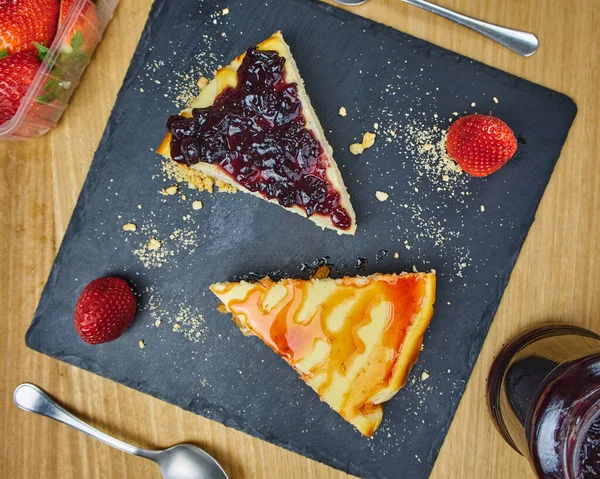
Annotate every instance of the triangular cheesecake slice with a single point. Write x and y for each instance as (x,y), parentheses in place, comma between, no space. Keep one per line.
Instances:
(253,127)
(353,340)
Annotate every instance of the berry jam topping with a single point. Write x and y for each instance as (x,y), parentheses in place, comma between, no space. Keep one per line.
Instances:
(257,134)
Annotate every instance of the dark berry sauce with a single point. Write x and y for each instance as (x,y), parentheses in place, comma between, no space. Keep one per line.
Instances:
(590,453)
(257,134)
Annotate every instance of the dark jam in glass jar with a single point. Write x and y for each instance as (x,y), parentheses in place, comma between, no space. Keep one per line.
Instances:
(544,398)
(589,453)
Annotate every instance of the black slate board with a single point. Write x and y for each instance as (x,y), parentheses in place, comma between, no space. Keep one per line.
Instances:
(379,75)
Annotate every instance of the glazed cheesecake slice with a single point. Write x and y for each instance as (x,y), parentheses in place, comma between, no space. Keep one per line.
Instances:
(253,127)
(353,340)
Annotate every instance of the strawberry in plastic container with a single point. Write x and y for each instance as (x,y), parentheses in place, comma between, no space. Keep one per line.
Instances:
(35,88)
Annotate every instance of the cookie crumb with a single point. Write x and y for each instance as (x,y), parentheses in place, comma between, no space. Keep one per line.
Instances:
(129,227)
(157,323)
(482,208)
(225,11)
(495,100)
(142,344)
(424,376)
(376,126)
(367,142)
(221,308)
(473,104)
(171,190)
(368,139)
(343,111)
(396,255)
(195,179)
(356,148)
(322,272)
(197,205)
(176,327)
(154,244)
(381,195)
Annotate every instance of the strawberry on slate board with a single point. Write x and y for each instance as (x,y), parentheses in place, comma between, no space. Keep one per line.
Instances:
(481,144)
(23,22)
(104,310)
(17,71)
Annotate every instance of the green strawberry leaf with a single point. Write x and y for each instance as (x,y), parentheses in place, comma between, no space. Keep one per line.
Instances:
(77,40)
(47,97)
(42,50)
(3,53)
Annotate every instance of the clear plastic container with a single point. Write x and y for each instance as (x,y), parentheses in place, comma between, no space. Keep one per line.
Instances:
(57,78)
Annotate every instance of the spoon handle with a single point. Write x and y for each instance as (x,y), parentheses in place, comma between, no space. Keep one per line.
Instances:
(32,399)
(520,42)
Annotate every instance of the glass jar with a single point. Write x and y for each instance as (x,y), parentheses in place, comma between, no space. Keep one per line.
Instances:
(544,397)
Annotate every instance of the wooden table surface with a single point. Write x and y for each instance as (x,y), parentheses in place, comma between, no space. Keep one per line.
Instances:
(554,279)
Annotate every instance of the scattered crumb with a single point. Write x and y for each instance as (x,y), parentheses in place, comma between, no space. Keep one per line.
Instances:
(197,205)
(322,272)
(343,111)
(369,139)
(482,208)
(225,11)
(184,197)
(157,323)
(154,244)
(176,327)
(356,148)
(202,82)
(129,227)
(424,376)
(171,190)
(495,100)
(142,90)
(396,255)
(367,142)
(195,179)
(473,104)
(142,344)
(381,195)
(376,126)
(221,308)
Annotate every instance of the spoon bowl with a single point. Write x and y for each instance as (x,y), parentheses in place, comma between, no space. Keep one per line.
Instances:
(183,461)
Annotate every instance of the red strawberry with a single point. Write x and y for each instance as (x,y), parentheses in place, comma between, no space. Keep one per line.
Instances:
(23,22)
(17,71)
(481,144)
(104,310)
(85,27)
(65,6)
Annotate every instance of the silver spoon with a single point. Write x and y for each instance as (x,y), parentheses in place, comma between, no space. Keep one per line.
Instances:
(520,42)
(178,462)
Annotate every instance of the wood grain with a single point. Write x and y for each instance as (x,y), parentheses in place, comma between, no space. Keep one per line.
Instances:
(554,279)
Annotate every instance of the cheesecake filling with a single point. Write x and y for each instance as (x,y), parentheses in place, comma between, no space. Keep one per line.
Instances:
(256,133)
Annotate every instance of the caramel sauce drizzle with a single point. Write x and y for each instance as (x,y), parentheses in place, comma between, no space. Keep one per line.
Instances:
(294,341)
